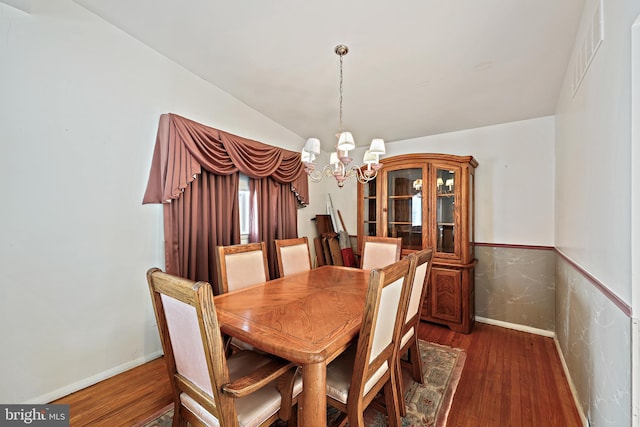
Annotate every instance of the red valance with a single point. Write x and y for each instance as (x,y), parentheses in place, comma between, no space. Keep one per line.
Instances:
(183,147)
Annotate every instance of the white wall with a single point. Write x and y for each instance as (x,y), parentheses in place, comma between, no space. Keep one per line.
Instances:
(514,179)
(79,108)
(635,216)
(593,153)
(593,217)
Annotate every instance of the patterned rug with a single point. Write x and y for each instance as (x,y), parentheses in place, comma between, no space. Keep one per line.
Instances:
(428,404)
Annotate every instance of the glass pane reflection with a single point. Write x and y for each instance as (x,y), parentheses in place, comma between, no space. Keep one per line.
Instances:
(445,209)
(405,207)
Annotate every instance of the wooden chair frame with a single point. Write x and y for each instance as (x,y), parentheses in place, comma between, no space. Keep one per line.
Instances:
(419,285)
(222,403)
(364,369)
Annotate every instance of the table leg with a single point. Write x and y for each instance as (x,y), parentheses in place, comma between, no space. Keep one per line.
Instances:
(313,399)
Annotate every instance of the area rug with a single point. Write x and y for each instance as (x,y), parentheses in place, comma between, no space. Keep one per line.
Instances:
(428,404)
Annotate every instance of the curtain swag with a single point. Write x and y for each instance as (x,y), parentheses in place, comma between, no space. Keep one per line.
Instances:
(183,147)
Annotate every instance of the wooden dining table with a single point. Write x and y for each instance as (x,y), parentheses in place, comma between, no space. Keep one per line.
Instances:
(308,318)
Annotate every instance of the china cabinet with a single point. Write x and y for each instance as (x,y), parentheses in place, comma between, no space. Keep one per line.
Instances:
(428,200)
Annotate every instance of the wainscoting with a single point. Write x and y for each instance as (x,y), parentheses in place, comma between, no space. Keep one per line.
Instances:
(593,332)
(516,284)
(540,288)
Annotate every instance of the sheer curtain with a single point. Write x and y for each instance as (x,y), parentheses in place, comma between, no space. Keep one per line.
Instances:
(194,172)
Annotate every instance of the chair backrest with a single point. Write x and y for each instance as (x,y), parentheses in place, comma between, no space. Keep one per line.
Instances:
(418,286)
(385,306)
(380,251)
(240,266)
(192,343)
(293,256)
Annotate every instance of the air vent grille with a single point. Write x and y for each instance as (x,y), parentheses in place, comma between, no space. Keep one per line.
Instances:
(591,39)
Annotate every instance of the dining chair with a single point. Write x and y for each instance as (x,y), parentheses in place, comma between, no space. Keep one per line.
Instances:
(293,256)
(409,331)
(368,367)
(380,251)
(209,389)
(240,266)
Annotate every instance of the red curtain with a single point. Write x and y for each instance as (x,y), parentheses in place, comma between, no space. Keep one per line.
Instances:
(274,216)
(196,223)
(194,172)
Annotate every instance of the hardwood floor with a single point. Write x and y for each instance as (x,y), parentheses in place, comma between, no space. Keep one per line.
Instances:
(123,400)
(510,379)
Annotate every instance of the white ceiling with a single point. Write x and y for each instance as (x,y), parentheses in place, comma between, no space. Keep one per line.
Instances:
(415,67)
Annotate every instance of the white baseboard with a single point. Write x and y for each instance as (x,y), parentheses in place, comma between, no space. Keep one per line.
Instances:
(574,393)
(635,360)
(515,326)
(86,382)
(549,334)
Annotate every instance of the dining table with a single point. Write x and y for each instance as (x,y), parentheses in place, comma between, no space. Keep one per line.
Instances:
(308,318)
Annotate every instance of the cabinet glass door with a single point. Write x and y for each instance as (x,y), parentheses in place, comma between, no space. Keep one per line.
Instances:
(404,207)
(446,181)
(369,208)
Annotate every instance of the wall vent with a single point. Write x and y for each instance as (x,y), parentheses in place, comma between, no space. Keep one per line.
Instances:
(591,39)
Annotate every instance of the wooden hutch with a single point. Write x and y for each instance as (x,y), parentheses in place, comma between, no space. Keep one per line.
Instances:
(428,200)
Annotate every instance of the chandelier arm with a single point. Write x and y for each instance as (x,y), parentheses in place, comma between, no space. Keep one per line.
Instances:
(362,176)
(317,175)
(342,173)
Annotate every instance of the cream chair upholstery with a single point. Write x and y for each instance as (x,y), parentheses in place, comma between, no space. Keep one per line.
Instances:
(240,266)
(380,251)
(209,389)
(409,333)
(293,256)
(355,377)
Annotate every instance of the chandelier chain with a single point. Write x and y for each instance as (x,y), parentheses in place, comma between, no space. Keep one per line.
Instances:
(340,127)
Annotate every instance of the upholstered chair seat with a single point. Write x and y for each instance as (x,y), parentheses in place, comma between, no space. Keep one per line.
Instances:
(254,408)
(339,374)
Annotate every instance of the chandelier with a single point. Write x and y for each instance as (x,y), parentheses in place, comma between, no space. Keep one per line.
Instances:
(340,166)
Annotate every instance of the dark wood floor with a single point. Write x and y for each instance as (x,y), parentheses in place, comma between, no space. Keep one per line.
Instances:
(510,379)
